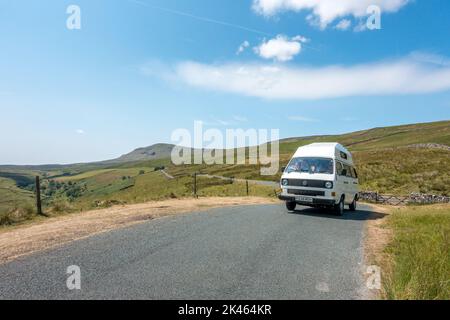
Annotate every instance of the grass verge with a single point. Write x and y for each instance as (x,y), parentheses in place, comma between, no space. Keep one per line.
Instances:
(418,264)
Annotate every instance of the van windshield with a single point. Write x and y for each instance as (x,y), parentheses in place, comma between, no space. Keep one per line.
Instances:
(311,165)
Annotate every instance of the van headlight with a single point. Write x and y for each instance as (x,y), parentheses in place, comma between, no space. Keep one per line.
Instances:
(285,182)
(329,185)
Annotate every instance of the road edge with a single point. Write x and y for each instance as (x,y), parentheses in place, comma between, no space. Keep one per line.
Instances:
(376,237)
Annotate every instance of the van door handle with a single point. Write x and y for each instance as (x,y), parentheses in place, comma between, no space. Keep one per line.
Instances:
(345,182)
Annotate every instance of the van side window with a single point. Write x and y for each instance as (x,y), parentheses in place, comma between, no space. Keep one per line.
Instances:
(349,170)
(339,168)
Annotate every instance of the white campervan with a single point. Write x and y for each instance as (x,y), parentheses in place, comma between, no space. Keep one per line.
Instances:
(321,175)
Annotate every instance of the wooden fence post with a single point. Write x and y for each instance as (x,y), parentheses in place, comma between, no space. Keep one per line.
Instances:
(247,188)
(195,184)
(38,197)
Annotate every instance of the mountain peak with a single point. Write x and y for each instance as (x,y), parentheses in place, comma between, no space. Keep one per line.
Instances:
(153,152)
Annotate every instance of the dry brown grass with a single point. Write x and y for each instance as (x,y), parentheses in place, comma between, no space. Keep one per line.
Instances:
(377,237)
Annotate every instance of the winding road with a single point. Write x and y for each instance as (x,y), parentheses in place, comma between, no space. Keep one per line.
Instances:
(248,252)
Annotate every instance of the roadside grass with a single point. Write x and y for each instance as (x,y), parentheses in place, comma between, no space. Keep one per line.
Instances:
(208,187)
(17,215)
(16,205)
(418,267)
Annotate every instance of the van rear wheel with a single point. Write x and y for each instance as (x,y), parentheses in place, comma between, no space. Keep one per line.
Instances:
(291,206)
(353,205)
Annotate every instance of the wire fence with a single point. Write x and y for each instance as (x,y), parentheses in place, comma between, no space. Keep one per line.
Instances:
(203,185)
(245,187)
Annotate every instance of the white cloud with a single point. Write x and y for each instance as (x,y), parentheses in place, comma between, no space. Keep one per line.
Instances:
(242,47)
(280,48)
(361,26)
(344,24)
(302,119)
(431,58)
(398,77)
(80,131)
(301,39)
(325,12)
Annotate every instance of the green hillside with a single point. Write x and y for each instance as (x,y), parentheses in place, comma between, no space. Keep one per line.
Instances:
(381,138)
(398,160)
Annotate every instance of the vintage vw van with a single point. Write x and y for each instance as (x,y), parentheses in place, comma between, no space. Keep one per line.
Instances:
(321,175)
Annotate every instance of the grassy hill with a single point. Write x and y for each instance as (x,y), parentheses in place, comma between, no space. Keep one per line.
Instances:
(399,160)
(382,138)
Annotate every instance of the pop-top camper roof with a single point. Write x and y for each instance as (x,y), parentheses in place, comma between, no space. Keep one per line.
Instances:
(325,150)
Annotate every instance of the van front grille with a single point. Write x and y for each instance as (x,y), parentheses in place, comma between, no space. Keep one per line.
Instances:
(312,193)
(307,183)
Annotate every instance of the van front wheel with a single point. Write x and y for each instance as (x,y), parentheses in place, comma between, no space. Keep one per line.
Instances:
(339,208)
(291,206)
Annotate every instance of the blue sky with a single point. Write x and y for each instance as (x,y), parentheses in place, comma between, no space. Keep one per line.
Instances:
(137,70)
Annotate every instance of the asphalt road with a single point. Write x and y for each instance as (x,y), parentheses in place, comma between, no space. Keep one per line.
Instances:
(256,252)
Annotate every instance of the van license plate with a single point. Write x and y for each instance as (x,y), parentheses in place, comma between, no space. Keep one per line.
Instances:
(304,199)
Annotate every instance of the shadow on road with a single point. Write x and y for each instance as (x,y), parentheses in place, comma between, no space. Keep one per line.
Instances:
(358,215)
